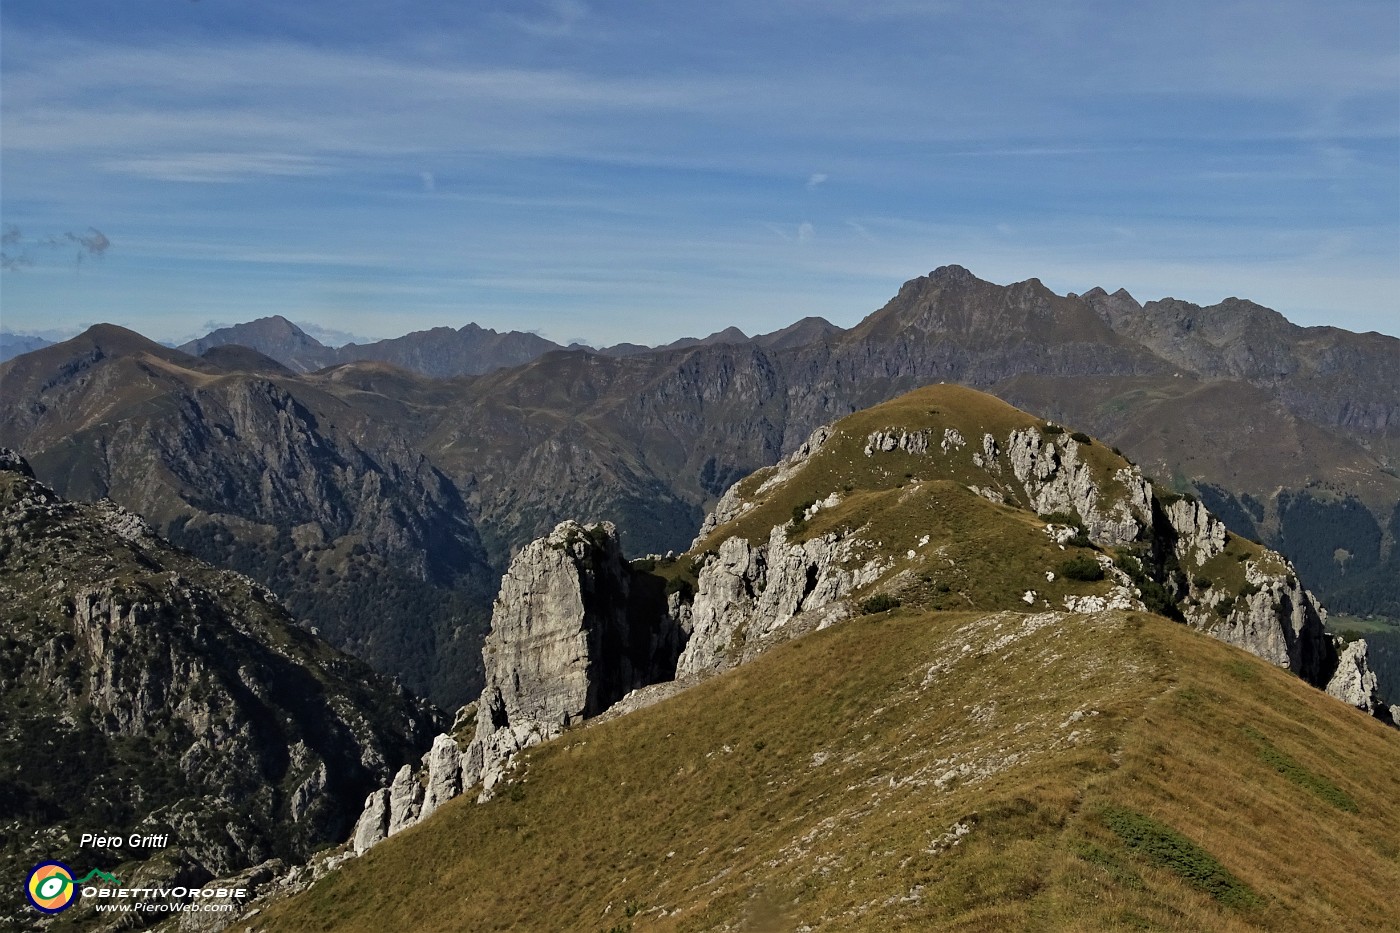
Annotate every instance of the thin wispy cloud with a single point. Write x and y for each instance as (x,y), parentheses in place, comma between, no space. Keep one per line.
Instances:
(633,162)
(216,167)
(18,251)
(556,20)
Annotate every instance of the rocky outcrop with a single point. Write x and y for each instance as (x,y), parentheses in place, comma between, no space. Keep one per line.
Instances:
(1354,683)
(372,827)
(745,594)
(1057,478)
(914,442)
(394,808)
(246,735)
(574,631)
(1273,618)
(444,779)
(1199,534)
(567,641)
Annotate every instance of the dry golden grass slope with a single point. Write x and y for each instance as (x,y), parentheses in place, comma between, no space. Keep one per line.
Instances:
(917,771)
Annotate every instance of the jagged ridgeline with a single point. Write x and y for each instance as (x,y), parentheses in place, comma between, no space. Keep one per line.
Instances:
(1009,765)
(142,691)
(950,499)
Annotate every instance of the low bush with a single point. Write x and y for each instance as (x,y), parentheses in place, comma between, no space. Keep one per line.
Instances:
(1173,851)
(880,602)
(1082,567)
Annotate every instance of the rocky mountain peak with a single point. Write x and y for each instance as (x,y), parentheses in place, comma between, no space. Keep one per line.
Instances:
(11,461)
(171,698)
(273,336)
(944,498)
(952,273)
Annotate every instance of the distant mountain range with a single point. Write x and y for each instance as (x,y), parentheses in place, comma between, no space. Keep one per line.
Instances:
(12,345)
(383,504)
(471,350)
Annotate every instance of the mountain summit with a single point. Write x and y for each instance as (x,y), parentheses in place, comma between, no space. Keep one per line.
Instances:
(944,499)
(947,665)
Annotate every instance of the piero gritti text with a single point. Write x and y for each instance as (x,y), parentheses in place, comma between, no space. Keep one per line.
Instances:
(133,841)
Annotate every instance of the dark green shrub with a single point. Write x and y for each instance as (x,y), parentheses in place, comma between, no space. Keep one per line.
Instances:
(1173,851)
(1081,567)
(1081,437)
(1052,429)
(880,602)
(1301,776)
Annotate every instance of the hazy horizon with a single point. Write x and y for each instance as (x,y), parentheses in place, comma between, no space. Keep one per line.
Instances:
(333,337)
(610,172)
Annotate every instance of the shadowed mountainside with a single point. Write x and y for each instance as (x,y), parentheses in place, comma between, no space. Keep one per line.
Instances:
(357,471)
(142,691)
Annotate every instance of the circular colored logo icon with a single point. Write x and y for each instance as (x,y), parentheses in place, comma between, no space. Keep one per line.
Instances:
(50,887)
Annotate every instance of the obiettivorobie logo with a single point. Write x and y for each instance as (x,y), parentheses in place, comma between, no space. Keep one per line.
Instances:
(52,888)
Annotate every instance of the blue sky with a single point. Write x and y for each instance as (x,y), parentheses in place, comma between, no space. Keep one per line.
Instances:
(641,171)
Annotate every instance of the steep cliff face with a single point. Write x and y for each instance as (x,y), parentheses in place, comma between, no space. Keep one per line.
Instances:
(569,638)
(327,505)
(575,629)
(168,697)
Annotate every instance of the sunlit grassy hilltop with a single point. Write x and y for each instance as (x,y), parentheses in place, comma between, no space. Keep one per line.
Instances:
(914,771)
(976,758)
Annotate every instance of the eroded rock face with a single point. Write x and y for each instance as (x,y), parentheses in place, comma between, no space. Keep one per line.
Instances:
(247,731)
(372,827)
(405,800)
(444,766)
(1057,479)
(570,635)
(745,594)
(1275,618)
(1354,683)
(568,639)
(1200,535)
